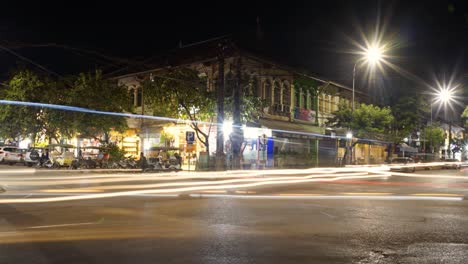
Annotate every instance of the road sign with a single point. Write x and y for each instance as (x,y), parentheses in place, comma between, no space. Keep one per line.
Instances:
(190,137)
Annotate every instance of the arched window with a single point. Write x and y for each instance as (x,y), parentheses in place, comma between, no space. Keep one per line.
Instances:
(277,92)
(297,97)
(286,94)
(131,93)
(267,91)
(139,96)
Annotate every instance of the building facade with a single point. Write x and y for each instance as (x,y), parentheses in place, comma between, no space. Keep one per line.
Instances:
(291,130)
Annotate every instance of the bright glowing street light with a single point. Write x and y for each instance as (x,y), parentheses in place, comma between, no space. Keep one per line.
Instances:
(372,55)
(445,95)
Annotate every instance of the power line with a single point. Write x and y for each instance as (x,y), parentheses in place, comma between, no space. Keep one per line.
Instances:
(30,61)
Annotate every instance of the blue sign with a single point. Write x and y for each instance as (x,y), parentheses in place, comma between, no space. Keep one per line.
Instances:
(190,137)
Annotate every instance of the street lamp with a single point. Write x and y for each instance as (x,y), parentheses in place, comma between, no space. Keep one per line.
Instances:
(445,96)
(372,55)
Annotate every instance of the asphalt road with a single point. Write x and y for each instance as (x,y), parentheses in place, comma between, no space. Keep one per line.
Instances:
(368,217)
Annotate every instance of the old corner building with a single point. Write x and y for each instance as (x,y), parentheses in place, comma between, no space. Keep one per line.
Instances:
(291,131)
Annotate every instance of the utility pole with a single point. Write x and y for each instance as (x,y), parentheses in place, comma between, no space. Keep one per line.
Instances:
(238,136)
(449,139)
(220,108)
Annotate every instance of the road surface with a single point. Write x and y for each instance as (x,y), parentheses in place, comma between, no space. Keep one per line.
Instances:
(324,216)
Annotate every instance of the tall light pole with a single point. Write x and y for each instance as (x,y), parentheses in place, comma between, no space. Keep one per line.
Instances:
(372,56)
(445,96)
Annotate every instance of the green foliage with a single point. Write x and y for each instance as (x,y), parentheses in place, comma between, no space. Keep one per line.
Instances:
(90,90)
(181,93)
(434,135)
(306,84)
(464,116)
(365,121)
(115,153)
(409,112)
(251,105)
(25,120)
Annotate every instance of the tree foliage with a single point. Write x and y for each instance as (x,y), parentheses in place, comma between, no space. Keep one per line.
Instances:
(84,90)
(251,105)
(181,93)
(409,113)
(90,90)
(464,116)
(365,121)
(434,135)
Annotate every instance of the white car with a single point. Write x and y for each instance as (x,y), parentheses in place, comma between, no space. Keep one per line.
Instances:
(11,155)
(33,156)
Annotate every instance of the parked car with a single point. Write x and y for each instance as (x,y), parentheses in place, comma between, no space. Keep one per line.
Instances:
(11,155)
(451,164)
(33,156)
(404,164)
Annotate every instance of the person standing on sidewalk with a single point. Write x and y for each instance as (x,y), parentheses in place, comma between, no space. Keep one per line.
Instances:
(143,162)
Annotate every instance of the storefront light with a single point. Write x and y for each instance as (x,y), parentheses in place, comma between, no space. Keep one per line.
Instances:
(349,135)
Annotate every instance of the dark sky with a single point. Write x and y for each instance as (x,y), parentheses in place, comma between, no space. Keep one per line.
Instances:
(429,36)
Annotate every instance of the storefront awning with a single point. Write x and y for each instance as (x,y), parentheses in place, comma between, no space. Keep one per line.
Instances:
(292,130)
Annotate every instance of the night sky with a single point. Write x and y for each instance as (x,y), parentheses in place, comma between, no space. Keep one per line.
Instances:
(429,36)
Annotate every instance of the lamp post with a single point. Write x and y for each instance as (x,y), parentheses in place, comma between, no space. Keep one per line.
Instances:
(372,55)
(445,96)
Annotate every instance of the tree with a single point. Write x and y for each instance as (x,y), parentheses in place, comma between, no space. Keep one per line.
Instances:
(464,117)
(182,93)
(433,136)
(25,121)
(409,112)
(85,90)
(90,90)
(366,120)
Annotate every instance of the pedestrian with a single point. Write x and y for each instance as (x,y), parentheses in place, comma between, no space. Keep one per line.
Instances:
(179,158)
(143,161)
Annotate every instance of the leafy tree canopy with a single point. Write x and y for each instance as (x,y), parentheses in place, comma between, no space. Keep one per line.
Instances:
(365,121)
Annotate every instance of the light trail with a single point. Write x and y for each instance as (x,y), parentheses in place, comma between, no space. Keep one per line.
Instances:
(32,181)
(174,190)
(221,182)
